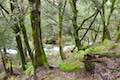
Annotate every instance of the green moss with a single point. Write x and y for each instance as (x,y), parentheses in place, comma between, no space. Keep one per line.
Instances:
(94,49)
(99,48)
(70,66)
(106,42)
(80,55)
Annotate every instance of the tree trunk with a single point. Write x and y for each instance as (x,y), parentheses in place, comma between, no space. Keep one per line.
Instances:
(16,30)
(25,37)
(20,48)
(61,14)
(24,32)
(106,34)
(74,21)
(40,57)
(4,61)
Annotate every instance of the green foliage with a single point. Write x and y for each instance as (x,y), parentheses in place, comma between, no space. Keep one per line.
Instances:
(95,49)
(12,78)
(70,66)
(80,54)
(100,48)
(29,71)
(106,43)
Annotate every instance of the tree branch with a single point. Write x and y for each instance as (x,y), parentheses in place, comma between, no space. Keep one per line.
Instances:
(85,21)
(4,9)
(90,29)
(90,25)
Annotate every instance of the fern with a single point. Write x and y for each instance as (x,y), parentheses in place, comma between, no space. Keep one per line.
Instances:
(29,71)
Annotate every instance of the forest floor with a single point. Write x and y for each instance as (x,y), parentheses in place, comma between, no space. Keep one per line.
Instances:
(107,69)
(51,74)
(57,74)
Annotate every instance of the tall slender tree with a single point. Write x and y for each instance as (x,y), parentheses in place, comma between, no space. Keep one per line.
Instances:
(61,15)
(106,33)
(24,32)
(35,16)
(16,30)
(75,25)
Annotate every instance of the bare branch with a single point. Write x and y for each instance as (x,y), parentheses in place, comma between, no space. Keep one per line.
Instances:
(91,30)
(90,25)
(4,9)
(85,21)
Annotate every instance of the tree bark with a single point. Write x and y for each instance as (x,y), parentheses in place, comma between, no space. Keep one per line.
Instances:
(25,37)
(24,33)
(74,21)
(61,14)
(106,33)
(40,57)
(20,48)
(16,30)
(4,61)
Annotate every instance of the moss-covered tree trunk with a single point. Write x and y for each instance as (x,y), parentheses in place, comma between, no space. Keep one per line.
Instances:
(61,14)
(106,33)
(20,48)
(40,57)
(74,21)
(16,30)
(25,37)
